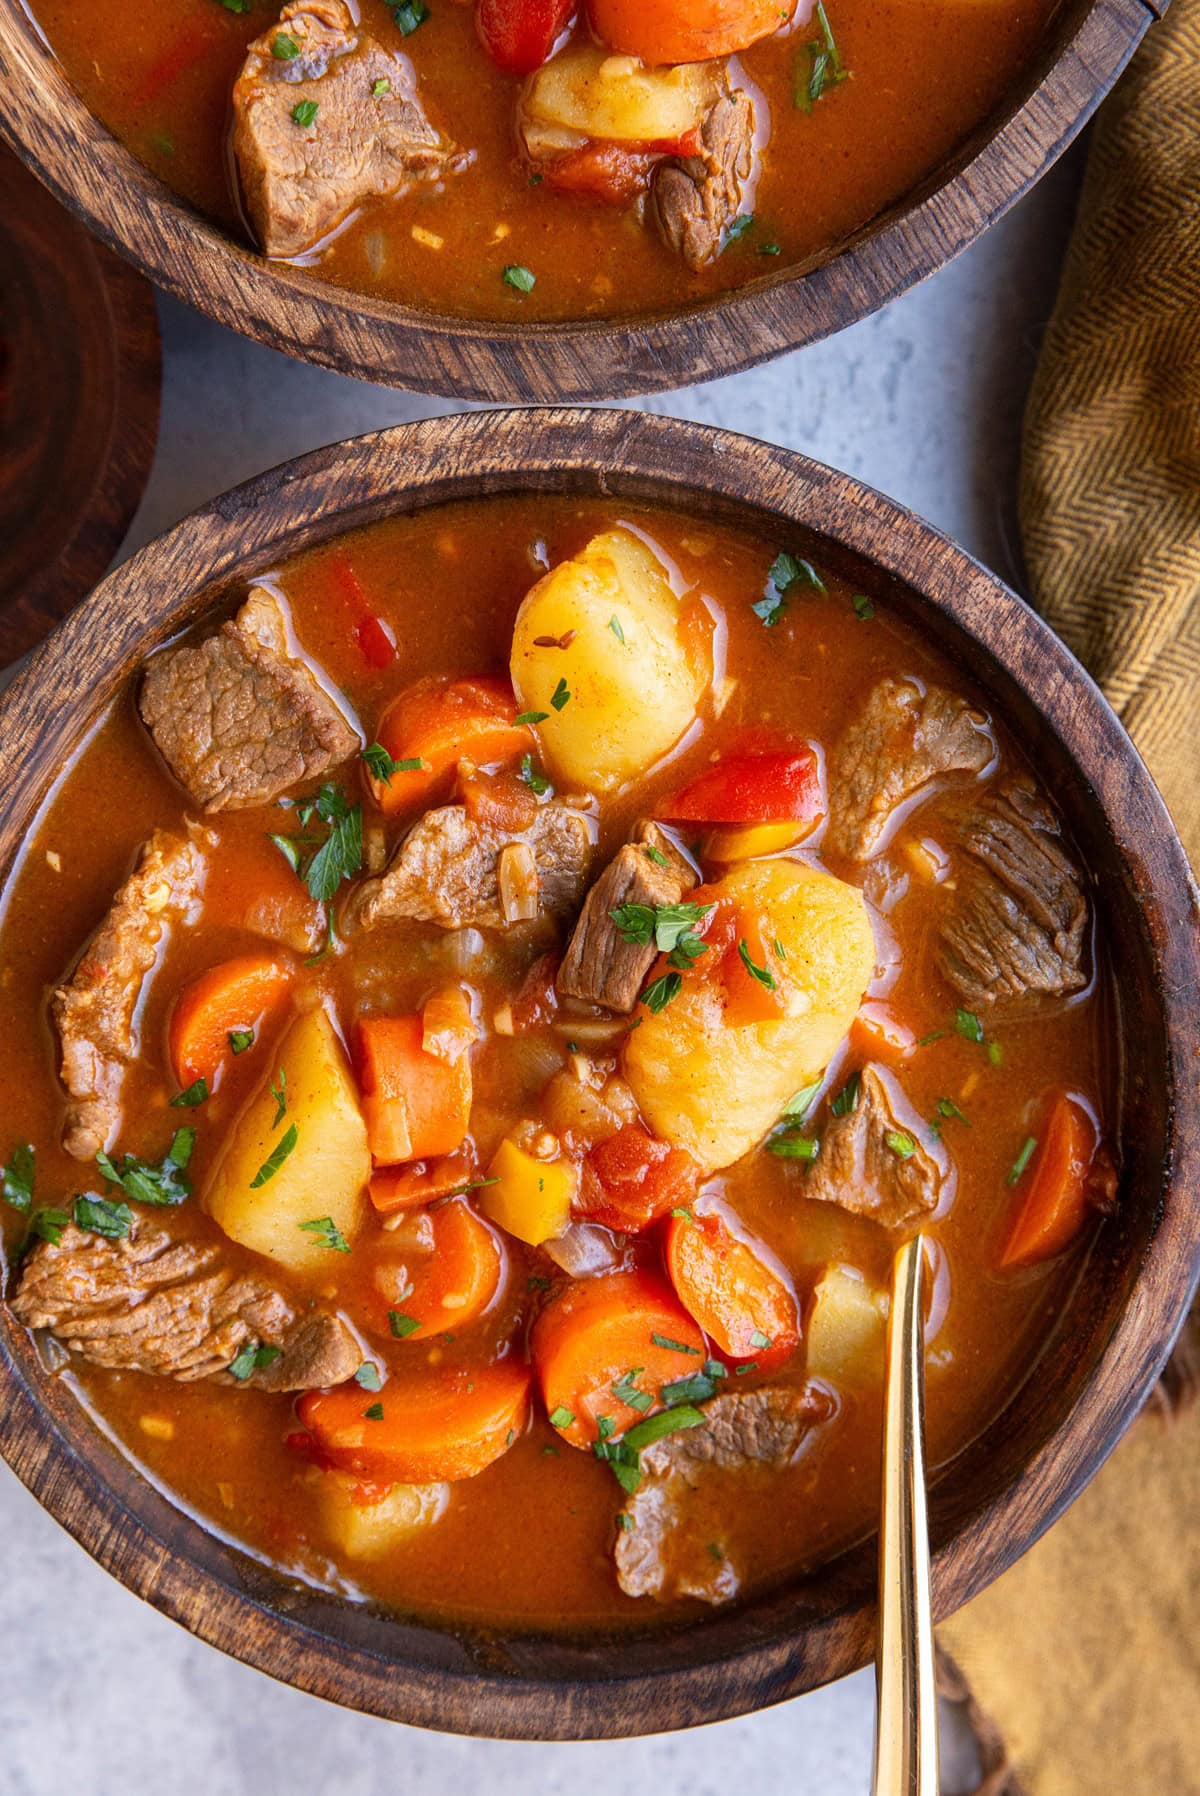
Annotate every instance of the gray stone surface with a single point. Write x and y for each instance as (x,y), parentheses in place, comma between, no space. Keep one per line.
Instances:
(101,1696)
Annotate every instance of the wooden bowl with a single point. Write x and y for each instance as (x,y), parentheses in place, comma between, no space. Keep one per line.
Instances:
(1120,1321)
(1086,46)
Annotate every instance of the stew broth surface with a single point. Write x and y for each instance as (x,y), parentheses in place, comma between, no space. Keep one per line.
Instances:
(448,582)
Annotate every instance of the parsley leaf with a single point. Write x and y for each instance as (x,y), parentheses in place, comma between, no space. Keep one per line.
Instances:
(864,610)
(661,992)
(304,112)
(100,1216)
(368,1377)
(901,1143)
(240,1040)
(279,1093)
(284,48)
(270,1167)
(252,1358)
(824,65)
(614,624)
(196,1093)
(947,1107)
(667,1421)
(664,924)
(673,1346)
(560,696)
(561,1417)
(790,1144)
(968,1025)
(338,858)
(762,974)
(16,1182)
(846,1100)
(380,87)
(786,576)
(374,1413)
(381,765)
(1022,1160)
(401,1325)
(797,1108)
(522,279)
(531,716)
(533,776)
(626,1390)
(159,1184)
(697,1387)
(324,1227)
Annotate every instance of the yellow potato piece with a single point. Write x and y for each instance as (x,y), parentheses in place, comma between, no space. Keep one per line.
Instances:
(531,1198)
(716,1089)
(618,98)
(845,1332)
(372,1530)
(633,691)
(326,1172)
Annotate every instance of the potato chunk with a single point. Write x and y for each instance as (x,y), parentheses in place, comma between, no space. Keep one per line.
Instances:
(590,91)
(370,1530)
(633,686)
(846,1329)
(325,1173)
(714,1088)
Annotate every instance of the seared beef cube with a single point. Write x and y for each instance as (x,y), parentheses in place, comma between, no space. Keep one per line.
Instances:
(325,117)
(237,719)
(694,200)
(675,1514)
(94,1011)
(906,736)
(459,873)
(1018,915)
(876,1161)
(150,1304)
(600,966)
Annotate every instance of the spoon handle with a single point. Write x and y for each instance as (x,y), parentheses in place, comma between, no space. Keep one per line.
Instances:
(906,1728)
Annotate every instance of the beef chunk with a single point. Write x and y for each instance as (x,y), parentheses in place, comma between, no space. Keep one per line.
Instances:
(1018,916)
(676,1544)
(94,1011)
(151,1304)
(453,871)
(694,200)
(904,738)
(875,1161)
(236,718)
(368,135)
(600,966)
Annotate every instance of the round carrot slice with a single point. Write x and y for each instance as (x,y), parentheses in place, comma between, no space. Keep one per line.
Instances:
(236,997)
(604,1350)
(443,1425)
(438,723)
(685,30)
(425,1293)
(741,1301)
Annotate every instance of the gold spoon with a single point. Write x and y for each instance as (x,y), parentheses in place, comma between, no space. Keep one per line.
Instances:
(906,1729)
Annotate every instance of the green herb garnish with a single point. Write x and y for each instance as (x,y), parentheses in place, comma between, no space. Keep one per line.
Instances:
(614,624)
(901,1144)
(531,717)
(661,992)
(101,1216)
(252,1358)
(1022,1160)
(284,48)
(304,112)
(408,15)
(522,279)
(374,1413)
(968,1025)
(560,696)
(240,1040)
(279,1093)
(786,575)
(673,1346)
(762,974)
(864,610)
(561,1417)
(401,1325)
(381,765)
(367,1376)
(147,1182)
(16,1181)
(533,776)
(847,1098)
(196,1093)
(824,65)
(270,1167)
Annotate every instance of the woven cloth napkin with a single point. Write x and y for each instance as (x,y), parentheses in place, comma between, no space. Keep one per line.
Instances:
(1081,1666)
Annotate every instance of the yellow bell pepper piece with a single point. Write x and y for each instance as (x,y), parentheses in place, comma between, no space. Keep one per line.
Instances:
(531,1198)
(747,841)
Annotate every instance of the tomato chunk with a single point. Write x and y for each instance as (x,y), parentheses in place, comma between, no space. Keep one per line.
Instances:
(631,1179)
(780,787)
(519,35)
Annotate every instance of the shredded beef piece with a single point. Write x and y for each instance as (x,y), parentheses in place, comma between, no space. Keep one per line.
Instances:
(678,1510)
(867,1173)
(1017,916)
(236,718)
(368,137)
(447,870)
(151,1304)
(903,739)
(600,966)
(94,1011)
(694,200)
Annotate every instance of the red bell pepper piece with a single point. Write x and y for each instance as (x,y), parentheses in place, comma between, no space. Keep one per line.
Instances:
(519,35)
(372,635)
(779,787)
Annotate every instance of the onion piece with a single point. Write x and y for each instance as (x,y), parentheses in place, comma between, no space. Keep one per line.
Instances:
(584,1249)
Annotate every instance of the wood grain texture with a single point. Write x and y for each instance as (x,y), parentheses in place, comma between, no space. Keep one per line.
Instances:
(1088,44)
(80,375)
(1113,1335)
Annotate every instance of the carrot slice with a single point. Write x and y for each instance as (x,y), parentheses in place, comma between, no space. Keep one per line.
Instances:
(415,1104)
(421,1183)
(604,1349)
(631,1179)
(441,722)
(736,1297)
(1055,1204)
(235,995)
(443,1425)
(450,1285)
(685,30)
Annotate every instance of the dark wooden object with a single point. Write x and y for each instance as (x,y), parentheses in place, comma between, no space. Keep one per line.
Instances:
(1087,45)
(79,392)
(1114,1333)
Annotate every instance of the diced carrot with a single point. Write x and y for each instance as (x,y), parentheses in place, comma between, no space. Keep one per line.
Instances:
(442,1425)
(416,1105)
(631,1179)
(662,31)
(239,994)
(440,722)
(727,1285)
(501,799)
(448,1028)
(447,1287)
(878,1034)
(413,1187)
(1056,1201)
(605,1341)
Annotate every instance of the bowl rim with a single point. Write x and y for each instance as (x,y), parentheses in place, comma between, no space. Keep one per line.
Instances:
(71,677)
(133,212)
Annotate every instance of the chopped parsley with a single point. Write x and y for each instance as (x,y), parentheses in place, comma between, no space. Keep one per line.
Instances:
(238,6)
(148,1182)
(47,1225)
(656,855)
(101,1216)
(947,1107)
(737,229)
(401,1325)
(380,87)
(533,776)
(279,1093)
(968,1025)
(864,610)
(846,1100)
(683,1214)
(786,576)
(614,624)
(196,1093)
(535,1282)
(673,1346)
(935,1035)
(790,1144)
(16,1181)
(408,15)
(304,112)
(661,992)
(667,1421)
(622,1455)
(560,696)
(697,1387)
(797,1108)
(381,765)
(760,1340)
(338,857)
(901,1144)
(523,280)
(768,249)
(762,974)
(252,1358)
(531,717)
(270,1167)
(323,1227)
(240,1039)
(374,1413)
(665,925)
(824,65)
(624,1521)
(367,1377)
(995,1053)
(284,48)
(626,1391)
(1022,1160)
(561,1417)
